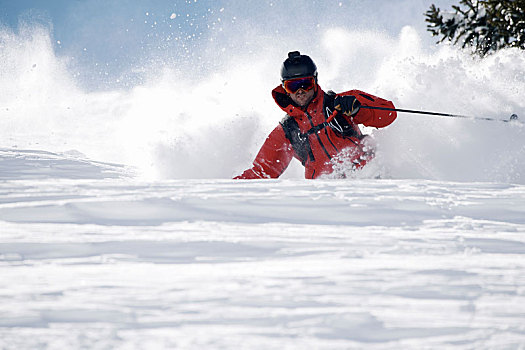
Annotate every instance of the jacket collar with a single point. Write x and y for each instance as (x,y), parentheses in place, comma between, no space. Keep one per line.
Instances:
(286,104)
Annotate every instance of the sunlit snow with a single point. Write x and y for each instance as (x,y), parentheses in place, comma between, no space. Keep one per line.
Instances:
(120,226)
(91,260)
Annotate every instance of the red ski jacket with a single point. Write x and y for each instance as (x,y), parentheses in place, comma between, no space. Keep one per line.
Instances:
(305,135)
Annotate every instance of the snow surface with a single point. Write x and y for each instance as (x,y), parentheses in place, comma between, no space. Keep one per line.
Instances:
(93,258)
(121,229)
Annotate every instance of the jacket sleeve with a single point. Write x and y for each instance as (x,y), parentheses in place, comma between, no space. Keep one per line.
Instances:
(273,157)
(372,117)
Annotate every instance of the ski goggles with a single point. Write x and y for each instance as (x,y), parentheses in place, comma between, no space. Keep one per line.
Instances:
(291,86)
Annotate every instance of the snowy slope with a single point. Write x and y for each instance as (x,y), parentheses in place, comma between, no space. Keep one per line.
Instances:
(121,127)
(94,259)
(36,164)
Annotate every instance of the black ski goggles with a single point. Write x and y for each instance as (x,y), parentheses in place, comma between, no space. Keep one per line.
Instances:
(291,86)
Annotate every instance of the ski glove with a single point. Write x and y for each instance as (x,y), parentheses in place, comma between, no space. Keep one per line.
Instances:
(348,105)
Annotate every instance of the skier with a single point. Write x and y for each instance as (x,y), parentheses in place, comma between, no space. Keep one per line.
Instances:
(320,129)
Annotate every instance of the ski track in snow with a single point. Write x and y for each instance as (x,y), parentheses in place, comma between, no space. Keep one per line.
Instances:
(91,258)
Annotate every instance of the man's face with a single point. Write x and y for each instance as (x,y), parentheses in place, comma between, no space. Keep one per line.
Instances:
(302,97)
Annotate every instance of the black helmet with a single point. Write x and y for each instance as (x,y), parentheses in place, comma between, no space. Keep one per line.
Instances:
(298,66)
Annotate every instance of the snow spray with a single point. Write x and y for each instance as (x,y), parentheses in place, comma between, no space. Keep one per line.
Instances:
(186,121)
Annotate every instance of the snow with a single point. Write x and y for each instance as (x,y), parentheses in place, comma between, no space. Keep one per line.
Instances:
(177,126)
(91,257)
(120,226)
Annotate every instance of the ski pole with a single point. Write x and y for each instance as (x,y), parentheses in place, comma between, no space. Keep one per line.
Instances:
(513,117)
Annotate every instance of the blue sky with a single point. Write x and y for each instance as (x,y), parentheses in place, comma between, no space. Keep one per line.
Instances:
(106,37)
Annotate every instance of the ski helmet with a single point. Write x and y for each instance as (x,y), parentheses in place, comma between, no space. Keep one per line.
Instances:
(298,66)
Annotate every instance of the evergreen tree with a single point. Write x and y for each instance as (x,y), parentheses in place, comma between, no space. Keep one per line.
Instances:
(484,25)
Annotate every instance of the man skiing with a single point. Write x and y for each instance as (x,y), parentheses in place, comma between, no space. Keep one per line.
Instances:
(320,129)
